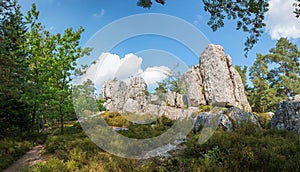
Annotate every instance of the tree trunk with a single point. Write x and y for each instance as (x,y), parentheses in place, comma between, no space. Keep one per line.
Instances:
(33,119)
(61,120)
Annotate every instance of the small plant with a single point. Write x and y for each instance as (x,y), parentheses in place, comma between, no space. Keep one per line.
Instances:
(205,108)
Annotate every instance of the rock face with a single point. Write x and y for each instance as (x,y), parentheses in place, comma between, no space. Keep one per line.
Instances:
(226,119)
(114,92)
(214,82)
(137,97)
(175,100)
(222,84)
(194,87)
(287,116)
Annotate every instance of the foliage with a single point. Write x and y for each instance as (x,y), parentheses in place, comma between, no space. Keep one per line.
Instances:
(264,120)
(297,8)
(245,149)
(52,58)
(12,148)
(205,108)
(14,113)
(249,16)
(174,83)
(148,3)
(243,74)
(275,76)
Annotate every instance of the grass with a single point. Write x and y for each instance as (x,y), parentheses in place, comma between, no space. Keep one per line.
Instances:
(245,149)
(12,148)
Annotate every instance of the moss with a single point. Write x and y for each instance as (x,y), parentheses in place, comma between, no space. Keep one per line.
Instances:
(205,108)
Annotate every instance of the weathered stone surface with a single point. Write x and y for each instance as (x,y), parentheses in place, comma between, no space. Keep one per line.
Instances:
(194,86)
(227,119)
(137,88)
(171,99)
(214,82)
(287,116)
(212,120)
(238,116)
(155,100)
(222,84)
(179,103)
(296,98)
(175,100)
(114,92)
(132,106)
(137,91)
(153,109)
(172,112)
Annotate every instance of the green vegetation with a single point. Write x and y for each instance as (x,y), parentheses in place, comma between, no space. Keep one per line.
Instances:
(249,15)
(36,72)
(245,149)
(12,148)
(275,76)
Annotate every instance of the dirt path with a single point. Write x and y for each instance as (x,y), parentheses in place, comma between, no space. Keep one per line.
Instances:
(30,158)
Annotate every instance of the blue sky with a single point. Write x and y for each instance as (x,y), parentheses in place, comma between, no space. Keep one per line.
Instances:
(93,15)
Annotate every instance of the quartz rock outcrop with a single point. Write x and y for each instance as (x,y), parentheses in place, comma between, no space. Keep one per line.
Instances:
(212,82)
(222,84)
(175,100)
(194,86)
(287,116)
(114,92)
(137,97)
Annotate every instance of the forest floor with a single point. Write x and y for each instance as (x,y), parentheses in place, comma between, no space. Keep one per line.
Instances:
(30,158)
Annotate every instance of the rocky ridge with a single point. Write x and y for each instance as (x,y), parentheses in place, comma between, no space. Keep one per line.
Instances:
(213,82)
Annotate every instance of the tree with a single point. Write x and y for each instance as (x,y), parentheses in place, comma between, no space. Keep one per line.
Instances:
(243,74)
(39,46)
(13,69)
(297,8)
(262,96)
(285,72)
(249,15)
(275,76)
(52,58)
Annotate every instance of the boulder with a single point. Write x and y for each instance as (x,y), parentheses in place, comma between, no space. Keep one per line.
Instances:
(114,92)
(287,116)
(211,120)
(226,119)
(222,84)
(239,116)
(194,87)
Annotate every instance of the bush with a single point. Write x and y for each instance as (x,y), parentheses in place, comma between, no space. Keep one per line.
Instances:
(12,148)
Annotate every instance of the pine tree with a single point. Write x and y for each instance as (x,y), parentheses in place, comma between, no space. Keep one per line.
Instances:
(275,76)
(13,69)
(285,72)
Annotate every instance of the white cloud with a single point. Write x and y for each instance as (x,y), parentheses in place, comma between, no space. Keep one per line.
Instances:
(154,74)
(102,12)
(111,66)
(281,21)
